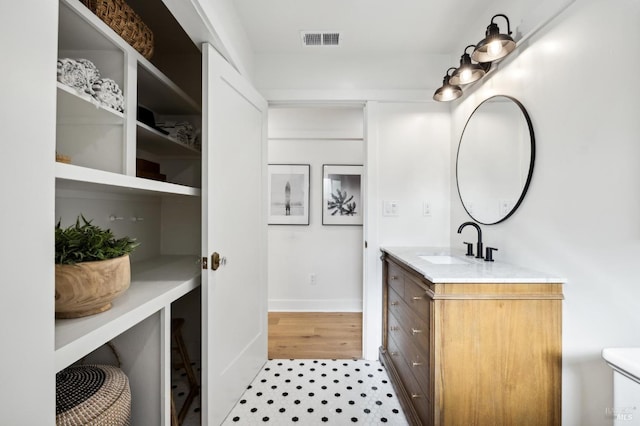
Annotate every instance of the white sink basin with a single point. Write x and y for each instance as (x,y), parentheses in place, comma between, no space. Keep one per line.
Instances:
(624,359)
(443,259)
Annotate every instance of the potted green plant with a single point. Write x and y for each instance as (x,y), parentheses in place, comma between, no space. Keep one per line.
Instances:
(92,268)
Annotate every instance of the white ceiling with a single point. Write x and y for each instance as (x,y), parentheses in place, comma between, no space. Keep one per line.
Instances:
(366,26)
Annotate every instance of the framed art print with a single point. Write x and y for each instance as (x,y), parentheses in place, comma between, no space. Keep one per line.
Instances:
(341,194)
(288,188)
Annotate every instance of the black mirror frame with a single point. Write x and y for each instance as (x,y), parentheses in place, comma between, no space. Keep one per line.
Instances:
(531,162)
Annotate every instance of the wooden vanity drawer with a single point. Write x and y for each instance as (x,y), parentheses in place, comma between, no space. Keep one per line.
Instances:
(397,305)
(394,329)
(418,397)
(408,329)
(395,278)
(416,359)
(416,297)
(394,352)
(415,329)
(418,362)
(418,332)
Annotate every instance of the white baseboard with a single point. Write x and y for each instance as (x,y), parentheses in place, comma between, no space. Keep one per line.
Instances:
(315,305)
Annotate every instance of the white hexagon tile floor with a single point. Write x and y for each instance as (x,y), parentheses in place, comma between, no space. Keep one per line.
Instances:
(319,392)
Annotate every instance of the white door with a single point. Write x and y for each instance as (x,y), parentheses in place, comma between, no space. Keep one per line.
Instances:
(234,297)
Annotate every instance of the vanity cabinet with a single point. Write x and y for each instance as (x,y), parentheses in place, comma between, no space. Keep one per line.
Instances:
(472,353)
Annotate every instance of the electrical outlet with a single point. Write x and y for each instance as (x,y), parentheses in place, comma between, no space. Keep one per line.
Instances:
(313,279)
(426,209)
(505,206)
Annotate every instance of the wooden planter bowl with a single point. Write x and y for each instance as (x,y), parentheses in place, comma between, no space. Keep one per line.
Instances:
(88,288)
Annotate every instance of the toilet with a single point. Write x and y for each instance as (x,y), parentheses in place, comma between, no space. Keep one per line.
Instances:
(626,385)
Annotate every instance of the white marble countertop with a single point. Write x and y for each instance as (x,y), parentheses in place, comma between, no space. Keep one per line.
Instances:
(625,360)
(466,269)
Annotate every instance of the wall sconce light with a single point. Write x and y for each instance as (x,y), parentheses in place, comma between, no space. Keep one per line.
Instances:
(468,72)
(491,48)
(447,92)
(495,45)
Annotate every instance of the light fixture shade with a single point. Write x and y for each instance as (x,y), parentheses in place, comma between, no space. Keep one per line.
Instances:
(495,45)
(447,92)
(467,72)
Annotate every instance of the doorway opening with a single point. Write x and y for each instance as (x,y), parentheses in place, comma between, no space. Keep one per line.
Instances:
(315,262)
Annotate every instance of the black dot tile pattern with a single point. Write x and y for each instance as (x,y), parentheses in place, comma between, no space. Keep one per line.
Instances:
(319,392)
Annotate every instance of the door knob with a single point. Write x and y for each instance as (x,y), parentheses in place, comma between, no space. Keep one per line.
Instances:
(215,261)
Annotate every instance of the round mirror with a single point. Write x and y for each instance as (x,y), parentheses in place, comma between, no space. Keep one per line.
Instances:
(495,159)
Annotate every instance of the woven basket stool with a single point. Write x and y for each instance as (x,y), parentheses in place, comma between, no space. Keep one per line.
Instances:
(92,395)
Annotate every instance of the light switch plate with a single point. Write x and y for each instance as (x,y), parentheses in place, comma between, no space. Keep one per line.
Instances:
(390,208)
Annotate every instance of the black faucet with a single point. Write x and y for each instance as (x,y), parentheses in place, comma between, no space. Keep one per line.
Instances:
(479,244)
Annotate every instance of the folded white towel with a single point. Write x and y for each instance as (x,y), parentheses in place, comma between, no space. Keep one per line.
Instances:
(73,74)
(91,71)
(108,93)
(183,132)
(84,76)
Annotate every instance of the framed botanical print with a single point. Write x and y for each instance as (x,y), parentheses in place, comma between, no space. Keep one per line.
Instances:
(288,188)
(341,194)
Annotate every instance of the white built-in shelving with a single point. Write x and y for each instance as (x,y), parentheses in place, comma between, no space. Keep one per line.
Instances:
(103,145)
(150,139)
(82,34)
(158,93)
(155,283)
(69,176)
(80,108)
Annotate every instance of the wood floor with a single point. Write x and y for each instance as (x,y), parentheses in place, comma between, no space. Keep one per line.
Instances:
(315,335)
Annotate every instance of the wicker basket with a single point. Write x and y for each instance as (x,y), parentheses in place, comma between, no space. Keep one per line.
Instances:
(93,395)
(125,21)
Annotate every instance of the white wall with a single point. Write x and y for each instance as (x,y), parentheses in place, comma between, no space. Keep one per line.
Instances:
(408,162)
(413,168)
(315,136)
(27,108)
(581,216)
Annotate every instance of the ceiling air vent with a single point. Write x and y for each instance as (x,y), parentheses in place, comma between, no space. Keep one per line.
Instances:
(319,38)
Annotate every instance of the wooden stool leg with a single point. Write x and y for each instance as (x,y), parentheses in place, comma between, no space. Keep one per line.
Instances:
(174,418)
(194,388)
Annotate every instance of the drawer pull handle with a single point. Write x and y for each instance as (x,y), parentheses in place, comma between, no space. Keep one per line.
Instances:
(394,328)
(416,364)
(416,395)
(393,353)
(394,277)
(415,330)
(394,303)
(417,297)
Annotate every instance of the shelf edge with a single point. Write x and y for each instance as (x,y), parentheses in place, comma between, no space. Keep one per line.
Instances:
(75,173)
